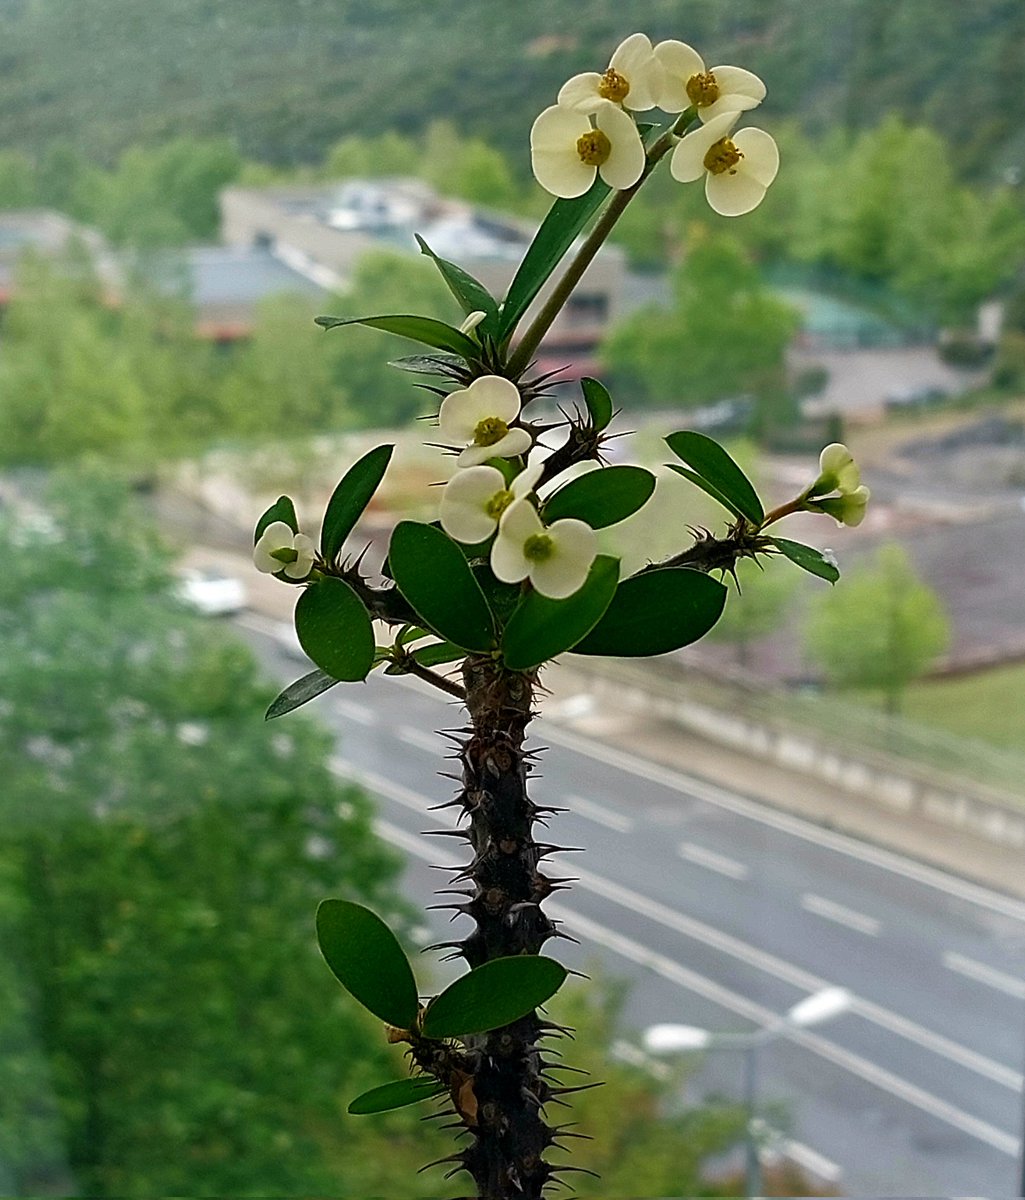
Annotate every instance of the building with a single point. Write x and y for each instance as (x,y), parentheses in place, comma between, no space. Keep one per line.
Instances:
(323,231)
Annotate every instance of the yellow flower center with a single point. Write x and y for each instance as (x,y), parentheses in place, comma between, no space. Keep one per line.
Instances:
(489,431)
(498,503)
(703,89)
(593,147)
(722,157)
(613,86)
(538,547)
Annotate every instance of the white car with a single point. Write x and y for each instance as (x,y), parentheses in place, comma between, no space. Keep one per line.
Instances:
(210,592)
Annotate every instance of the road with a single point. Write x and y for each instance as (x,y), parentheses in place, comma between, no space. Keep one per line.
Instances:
(724,912)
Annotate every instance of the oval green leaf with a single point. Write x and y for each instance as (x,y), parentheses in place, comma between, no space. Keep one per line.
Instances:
(281,510)
(808,558)
(470,293)
(425,330)
(715,466)
(335,630)
(706,487)
(435,578)
(540,628)
(367,960)
(438,653)
(602,497)
(301,692)
(350,498)
(598,401)
(656,612)
(493,995)
(395,1095)
(558,231)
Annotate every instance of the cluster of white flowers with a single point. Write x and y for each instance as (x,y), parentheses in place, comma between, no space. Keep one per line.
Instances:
(480,499)
(591,131)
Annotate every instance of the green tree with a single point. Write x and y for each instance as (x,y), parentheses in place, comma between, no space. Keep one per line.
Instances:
(881,630)
(160,860)
(725,334)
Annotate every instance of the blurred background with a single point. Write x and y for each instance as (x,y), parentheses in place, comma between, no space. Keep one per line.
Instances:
(829,792)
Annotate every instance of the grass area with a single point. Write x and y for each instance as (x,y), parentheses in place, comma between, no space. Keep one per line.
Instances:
(988,706)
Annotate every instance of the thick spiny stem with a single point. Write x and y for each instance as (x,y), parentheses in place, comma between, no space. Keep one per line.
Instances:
(509,1132)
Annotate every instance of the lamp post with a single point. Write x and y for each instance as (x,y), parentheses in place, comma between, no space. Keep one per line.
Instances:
(815,1009)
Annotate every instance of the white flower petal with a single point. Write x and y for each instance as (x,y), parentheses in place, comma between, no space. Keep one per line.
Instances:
(307,552)
(525,482)
(679,62)
(575,547)
(838,469)
(761,154)
(553,152)
(733,195)
(263,562)
(581,93)
(276,536)
(463,510)
(854,507)
(515,442)
(737,82)
(463,410)
(625,163)
(500,397)
(726,104)
(472,320)
(688,161)
(519,522)
(635,61)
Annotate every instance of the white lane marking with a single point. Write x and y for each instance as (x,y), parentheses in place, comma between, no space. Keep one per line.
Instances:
(703,857)
(419,738)
(699,789)
(355,711)
(744,952)
(691,981)
(981,973)
(831,911)
(598,812)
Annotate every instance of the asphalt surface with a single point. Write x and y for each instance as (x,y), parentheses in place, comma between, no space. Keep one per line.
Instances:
(724,912)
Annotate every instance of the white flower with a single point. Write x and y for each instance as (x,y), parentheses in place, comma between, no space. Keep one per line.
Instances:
(555,559)
(633,79)
(280,551)
(475,498)
(720,90)
(478,418)
(737,169)
(848,509)
(567,151)
(838,472)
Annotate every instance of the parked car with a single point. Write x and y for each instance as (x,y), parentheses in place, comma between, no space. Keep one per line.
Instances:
(210,592)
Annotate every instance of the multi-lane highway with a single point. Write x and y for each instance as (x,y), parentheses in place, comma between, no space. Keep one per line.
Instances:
(724,912)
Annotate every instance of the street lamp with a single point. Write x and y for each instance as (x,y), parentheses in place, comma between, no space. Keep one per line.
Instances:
(815,1009)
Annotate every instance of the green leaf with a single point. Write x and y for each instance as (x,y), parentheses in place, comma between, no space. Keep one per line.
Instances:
(301,692)
(395,1095)
(540,628)
(281,510)
(471,294)
(432,573)
(602,497)
(713,464)
(808,558)
(493,995)
(350,498)
(335,630)
(440,652)
(426,330)
(565,219)
(705,486)
(428,364)
(598,401)
(655,612)
(367,960)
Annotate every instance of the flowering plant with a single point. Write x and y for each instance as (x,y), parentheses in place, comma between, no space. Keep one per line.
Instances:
(511,575)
